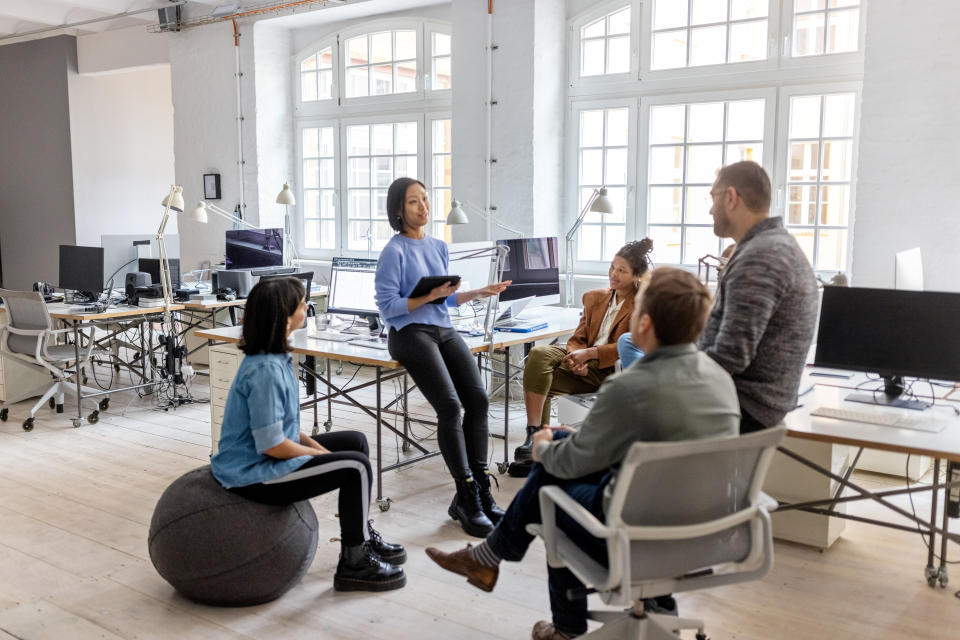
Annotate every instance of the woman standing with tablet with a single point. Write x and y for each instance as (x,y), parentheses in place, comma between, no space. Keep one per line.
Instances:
(423,340)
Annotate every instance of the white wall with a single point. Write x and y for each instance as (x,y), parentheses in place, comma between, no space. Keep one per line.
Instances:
(908,184)
(121,130)
(121,49)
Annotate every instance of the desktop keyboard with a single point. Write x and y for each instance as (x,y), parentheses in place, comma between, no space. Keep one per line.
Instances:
(333,336)
(85,308)
(883,419)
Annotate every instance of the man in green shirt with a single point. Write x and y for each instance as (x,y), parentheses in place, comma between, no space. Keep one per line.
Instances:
(674,393)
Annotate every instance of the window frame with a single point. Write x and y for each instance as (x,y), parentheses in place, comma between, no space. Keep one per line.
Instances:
(310,106)
(585,83)
(849,58)
(299,219)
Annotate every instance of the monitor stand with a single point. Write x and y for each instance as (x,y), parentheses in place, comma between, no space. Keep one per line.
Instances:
(889,397)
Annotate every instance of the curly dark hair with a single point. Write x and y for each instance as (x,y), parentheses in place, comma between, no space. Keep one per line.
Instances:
(396,195)
(637,255)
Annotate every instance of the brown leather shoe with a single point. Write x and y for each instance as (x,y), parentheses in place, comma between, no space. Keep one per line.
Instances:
(462,562)
(544,630)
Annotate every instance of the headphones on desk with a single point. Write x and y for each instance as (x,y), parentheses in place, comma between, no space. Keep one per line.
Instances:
(226,294)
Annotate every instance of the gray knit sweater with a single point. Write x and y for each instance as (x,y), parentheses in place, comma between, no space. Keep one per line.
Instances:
(763,320)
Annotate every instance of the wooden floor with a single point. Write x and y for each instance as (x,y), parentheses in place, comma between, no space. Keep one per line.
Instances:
(75,507)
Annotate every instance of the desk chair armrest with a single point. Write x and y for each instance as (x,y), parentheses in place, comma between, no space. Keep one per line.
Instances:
(551,497)
(768,503)
(697,530)
(25,332)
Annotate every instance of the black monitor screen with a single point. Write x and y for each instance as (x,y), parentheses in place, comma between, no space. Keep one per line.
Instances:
(81,268)
(251,248)
(892,333)
(152,266)
(534,268)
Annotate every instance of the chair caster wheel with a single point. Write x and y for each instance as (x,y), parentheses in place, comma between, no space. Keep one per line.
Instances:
(315,430)
(702,636)
(104,404)
(406,447)
(59,408)
(327,425)
(76,422)
(28,424)
(384,503)
(503,466)
(94,417)
(52,403)
(4,414)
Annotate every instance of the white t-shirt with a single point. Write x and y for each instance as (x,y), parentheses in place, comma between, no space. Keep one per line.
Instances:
(603,336)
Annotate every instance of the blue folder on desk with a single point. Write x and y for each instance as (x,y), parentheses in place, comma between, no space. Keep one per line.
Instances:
(521,326)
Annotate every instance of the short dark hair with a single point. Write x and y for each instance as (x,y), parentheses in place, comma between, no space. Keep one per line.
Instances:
(396,195)
(637,255)
(268,308)
(677,303)
(750,181)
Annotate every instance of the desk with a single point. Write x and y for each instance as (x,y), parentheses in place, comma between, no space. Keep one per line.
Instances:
(943,446)
(388,369)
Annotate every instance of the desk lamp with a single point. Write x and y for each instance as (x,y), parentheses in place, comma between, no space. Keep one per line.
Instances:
(199,213)
(598,202)
(173,201)
(457,215)
(286,198)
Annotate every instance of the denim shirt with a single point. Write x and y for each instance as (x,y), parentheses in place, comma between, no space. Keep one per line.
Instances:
(263,409)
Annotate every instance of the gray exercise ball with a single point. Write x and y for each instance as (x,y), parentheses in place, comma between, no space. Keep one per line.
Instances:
(219,548)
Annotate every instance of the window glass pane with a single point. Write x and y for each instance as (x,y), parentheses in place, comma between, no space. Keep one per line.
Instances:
(666,205)
(591,128)
(327,207)
(698,206)
(837,159)
(327,234)
(619,22)
(833,4)
(805,240)
(838,115)
(666,242)
(748,41)
(358,203)
(804,116)
(589,246)
(843,31)
(832,249)
(379,204)
(357,82)
(311,142)
(706,122)
(706,11)
(381,47)
(666,165)
(441,171)
(325,85)
(808,5)
(745,120)
(669,13)
(311,171)
(743,151)
(356,235)
(406,138)
(407,77)
(358,172)
(740,9)
(308,86)
(804,161)
(326,58)
(593,30)
(381,80)
(441,44)
(700,241)
(669,50)
(382,139)
(614,238)
(708,45)
(326,141)
(703,162)
(802,205)
(357,51)
(618,55)
(591,166)
(618,199)
(615,171)
(406,48)
(808,34)
(405,166)
(311,234)
(326,172)
(667,124)
(591,58)
(441,136)
(311,203)
(382,172)
(442,73)
(617,127)
(358,140)
(835,205)
(309,64)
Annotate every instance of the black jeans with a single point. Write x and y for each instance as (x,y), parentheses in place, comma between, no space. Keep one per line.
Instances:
(346,467)
(443,368)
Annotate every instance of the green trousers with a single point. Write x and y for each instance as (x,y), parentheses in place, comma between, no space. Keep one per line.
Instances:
(545,373)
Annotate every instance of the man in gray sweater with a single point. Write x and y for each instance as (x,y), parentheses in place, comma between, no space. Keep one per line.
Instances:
(766,303)
(674,393)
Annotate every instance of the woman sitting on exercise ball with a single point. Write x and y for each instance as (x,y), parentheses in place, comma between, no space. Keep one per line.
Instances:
(590,353)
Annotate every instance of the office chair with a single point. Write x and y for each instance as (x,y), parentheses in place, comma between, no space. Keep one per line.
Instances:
(30,337)
(683,516)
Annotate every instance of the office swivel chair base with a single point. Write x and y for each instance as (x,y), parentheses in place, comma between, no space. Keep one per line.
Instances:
(637,624)
(52,394)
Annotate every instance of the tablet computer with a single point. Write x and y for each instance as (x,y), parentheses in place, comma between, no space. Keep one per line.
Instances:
(429,283)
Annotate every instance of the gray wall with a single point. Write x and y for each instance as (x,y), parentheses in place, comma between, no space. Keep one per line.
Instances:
(36,168)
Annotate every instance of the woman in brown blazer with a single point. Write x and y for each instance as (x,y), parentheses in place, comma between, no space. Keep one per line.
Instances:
(589,355)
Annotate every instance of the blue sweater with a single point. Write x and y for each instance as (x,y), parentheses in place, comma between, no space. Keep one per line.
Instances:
(401,265)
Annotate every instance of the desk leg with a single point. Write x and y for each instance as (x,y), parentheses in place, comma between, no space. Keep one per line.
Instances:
(329,423)
(942,576)
(931,572)
(406,414)
(506,408)
(76,351)
(383,503)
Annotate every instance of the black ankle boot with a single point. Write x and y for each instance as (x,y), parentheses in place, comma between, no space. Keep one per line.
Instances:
(466,509)
(392,553)
(490,509)
(361,569)
(525,451)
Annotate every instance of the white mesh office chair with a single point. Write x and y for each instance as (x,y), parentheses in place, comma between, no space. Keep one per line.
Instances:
(683,516)
(29,336)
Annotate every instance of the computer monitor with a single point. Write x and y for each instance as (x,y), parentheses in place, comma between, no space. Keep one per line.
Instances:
(534,267)
(81,270)
(120,253)
(891,333)
(253,248)
(353,287)
(152,266)
(908,270)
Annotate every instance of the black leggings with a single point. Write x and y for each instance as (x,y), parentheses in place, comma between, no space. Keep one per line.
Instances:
(346,467)
(443,368)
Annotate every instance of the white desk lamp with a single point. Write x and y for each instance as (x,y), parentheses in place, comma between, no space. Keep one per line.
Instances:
(457,215)
(286,198)
(172,202)
(598,202)
(199,213)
